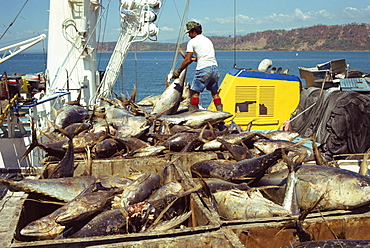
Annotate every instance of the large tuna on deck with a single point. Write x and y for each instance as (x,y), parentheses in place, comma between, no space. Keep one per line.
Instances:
(328,187)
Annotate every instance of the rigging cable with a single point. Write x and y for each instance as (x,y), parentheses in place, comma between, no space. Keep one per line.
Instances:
(180,35)
(234,33)
(102,30)
(11,24)
(136,68)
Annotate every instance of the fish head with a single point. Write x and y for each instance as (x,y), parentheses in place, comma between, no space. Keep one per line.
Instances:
(353,189)
(44,228)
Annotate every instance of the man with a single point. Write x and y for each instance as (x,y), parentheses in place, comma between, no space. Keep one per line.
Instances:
(206,74)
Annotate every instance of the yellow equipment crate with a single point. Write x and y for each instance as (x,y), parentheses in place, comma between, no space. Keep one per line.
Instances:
(267,98)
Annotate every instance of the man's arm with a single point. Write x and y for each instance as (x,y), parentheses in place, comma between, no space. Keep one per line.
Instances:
(187,61)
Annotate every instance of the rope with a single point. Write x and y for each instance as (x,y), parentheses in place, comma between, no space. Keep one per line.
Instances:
(11,24)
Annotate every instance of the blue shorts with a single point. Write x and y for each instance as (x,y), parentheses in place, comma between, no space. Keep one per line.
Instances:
(206,78)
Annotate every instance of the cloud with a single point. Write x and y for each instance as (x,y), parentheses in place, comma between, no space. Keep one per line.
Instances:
(351,12)
(293,19)
(166,29)
(298,15)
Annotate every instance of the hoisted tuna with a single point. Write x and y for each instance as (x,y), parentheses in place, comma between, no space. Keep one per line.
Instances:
(169,101)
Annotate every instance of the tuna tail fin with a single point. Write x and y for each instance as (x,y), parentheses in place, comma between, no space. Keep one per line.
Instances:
(318,157)
(364,167)
(290,199)
(34,142)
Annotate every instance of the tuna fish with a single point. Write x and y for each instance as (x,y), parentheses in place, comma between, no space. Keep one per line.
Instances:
(178,141)
(52,148)
(130,126)
(114,182)
(238,204)
(170,99)
(197,118)
(170,188)
(65,189)
(138,191)
(131,143)
(116,113)
(148,151)
(70,114)
(328,187)
(84,205)
(216,184)
(65,167)
(295,150)
(105,148)
(106,223)
(87,139)
(236,139)
(44,228)
(253,168)
(238,152)
(281,135)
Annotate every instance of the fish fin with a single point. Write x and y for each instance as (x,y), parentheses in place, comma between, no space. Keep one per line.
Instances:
(34,142)
(206,190)
(317,154)
(364,166)
(55,112)
(249,125)
(134,93)
(172,223)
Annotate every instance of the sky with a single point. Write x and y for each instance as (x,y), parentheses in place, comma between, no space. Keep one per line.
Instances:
(216,17)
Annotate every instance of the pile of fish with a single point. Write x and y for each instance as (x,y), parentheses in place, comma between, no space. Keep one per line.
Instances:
(263,176)
(105,206)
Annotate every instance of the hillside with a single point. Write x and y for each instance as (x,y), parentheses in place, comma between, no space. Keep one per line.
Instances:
(350,37)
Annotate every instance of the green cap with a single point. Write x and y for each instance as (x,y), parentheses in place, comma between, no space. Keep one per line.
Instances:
(190,25)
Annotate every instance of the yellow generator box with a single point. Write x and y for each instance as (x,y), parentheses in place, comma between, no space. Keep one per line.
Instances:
(265,98)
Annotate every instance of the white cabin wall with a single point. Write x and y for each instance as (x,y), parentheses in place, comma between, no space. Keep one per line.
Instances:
(69,32)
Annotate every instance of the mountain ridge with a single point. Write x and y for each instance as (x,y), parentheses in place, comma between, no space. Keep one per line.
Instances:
(348,37)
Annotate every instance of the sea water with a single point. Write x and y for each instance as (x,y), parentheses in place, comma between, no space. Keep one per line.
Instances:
(148,70)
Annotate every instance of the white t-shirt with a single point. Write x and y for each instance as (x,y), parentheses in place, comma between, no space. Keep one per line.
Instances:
(202,48)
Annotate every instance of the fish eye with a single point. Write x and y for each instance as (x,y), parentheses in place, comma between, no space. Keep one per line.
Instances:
(363,184)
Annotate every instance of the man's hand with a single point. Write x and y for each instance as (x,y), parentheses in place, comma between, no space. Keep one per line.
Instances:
(176,74)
